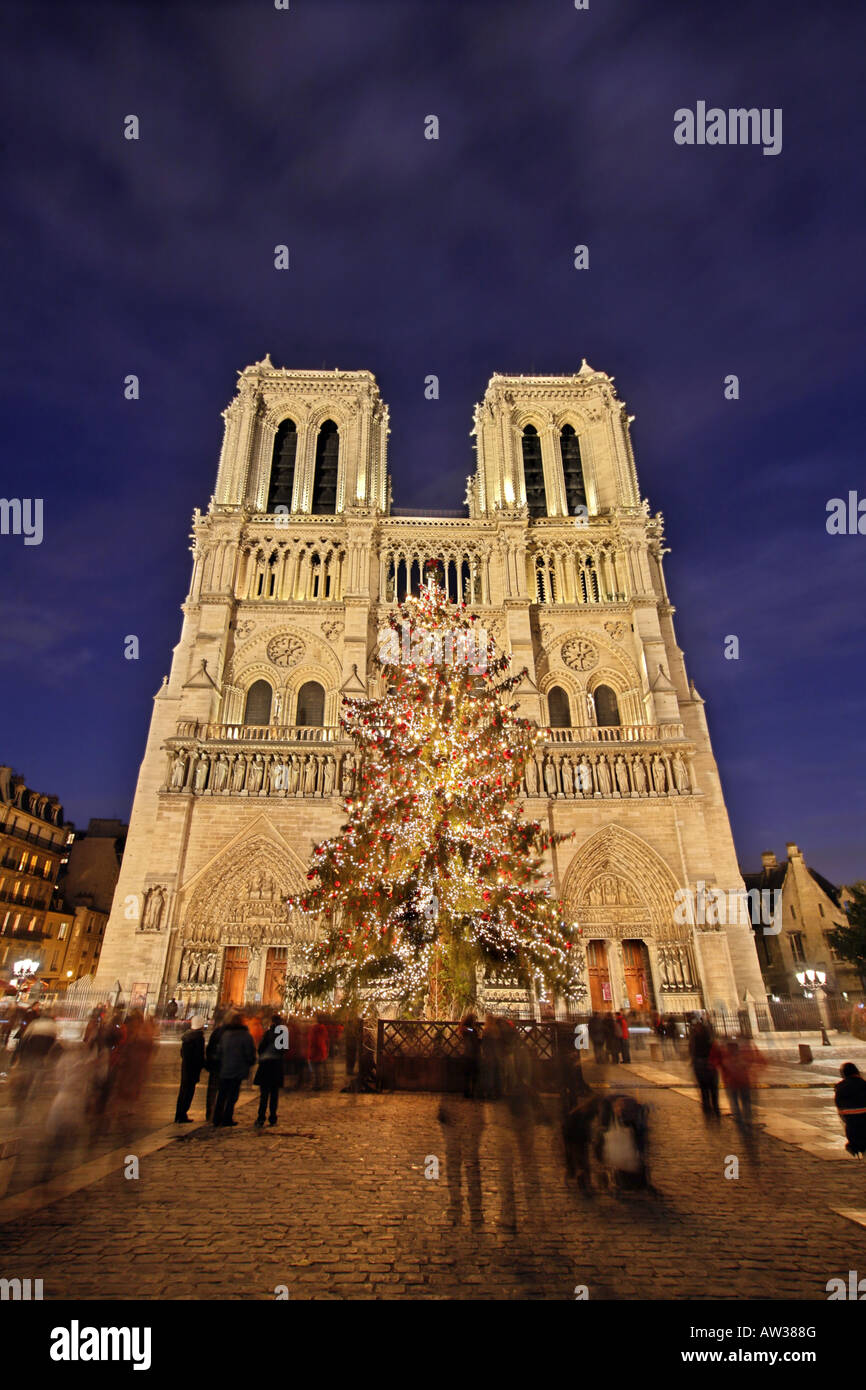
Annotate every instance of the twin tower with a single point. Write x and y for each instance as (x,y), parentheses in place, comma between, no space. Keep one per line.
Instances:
(296,564)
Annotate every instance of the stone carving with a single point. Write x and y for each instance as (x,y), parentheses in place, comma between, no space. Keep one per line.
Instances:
(348,783)
(681,776)
(178,771)
(328,780)
(622,776)
(285,649)
(201,772)
(550,777)
(638,772)
(255,774)
(154,905)
(531,777)
(616,630)
(660,780)
(220,776)
(579,654)
(602,776)
(310,776)
(239,772)
(332,628)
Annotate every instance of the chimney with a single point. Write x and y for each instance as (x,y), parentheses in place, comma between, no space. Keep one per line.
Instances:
(792,851)
(768,859)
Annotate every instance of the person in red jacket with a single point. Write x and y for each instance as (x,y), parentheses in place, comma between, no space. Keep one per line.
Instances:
(622,1032)
(319,1052)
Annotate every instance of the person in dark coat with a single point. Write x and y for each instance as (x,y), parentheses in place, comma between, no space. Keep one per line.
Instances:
(704,1067)
(470,1040)
(850,1096)
(191,1068)
(612,1038)
(596,1035)
(269,1073)
(236,1053)
(212,1063)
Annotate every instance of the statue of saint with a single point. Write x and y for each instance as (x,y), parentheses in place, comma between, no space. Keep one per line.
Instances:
(310,776)
(550,777)
(348,775)
(220,773)
(255,775)
(201,771)
(602,776)
(622,775)
(328,784)
(153,904)
(638,773)
(178,771)
(238,772)
(681,776)
(531,777)
(660,780)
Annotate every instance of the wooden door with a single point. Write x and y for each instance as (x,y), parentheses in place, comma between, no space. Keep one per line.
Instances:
(235,967)
(273,986)
(599,978)
(638,981)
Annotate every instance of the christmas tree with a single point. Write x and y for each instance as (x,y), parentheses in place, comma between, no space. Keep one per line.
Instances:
(435,875)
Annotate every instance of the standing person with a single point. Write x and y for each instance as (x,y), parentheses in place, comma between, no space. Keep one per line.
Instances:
(596,1035)
(236,1053)
(191,1067)
(850,1097)
(171,1009)
(704,1067)
(611,1038)
(470,1037)
(211,1061)
(350,1038)
(622,1030)
(269,1073)
(319,1050)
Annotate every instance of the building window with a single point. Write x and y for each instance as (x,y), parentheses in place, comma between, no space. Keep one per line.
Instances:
(283,466)
(311,705)
(533,472)
(327,468)
(798,949)
(62,930)
(572,470)
(31,925)
(606,706)
(257,709)
(793,913)
(821,909)
(558,708)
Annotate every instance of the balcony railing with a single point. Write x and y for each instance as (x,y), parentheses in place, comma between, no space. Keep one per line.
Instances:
(19,833)
(614,733)
(261,733)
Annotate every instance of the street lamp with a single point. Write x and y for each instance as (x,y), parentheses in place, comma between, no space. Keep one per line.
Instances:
(816,979)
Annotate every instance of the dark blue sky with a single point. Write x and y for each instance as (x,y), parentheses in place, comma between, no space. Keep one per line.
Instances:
(409,257)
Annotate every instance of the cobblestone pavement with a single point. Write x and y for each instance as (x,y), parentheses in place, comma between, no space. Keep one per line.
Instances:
(336,1202)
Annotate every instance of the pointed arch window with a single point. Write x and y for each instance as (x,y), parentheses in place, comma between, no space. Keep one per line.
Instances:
(572,470)
(558,708)
(533,472)
(311,705)
(257,709)
(606,706)
(283,466)
(325,476)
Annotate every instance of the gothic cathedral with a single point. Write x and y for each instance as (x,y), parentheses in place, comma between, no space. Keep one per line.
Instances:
(297,560)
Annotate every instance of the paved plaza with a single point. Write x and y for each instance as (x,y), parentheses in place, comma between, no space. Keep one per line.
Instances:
(341,1200)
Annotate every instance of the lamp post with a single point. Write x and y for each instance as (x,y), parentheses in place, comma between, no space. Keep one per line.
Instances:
(816,980)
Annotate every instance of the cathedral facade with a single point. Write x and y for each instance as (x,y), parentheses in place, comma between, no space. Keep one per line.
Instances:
(297,562)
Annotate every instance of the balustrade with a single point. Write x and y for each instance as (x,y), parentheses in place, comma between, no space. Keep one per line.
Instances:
(615,733)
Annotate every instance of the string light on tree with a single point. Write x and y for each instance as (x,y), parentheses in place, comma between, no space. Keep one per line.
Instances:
(435,873)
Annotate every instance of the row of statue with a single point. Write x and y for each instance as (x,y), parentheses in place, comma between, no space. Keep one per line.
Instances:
(316,774)
(675,967)
(291,774)
(607,774)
